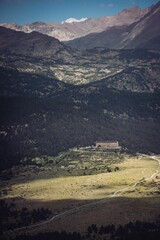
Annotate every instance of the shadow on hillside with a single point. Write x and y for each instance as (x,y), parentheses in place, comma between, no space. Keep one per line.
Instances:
(76,215)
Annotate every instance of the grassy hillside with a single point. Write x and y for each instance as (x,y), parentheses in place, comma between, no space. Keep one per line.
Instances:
(86,194)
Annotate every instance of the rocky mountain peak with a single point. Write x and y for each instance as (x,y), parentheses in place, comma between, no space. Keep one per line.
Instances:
(73,28)
(132,28)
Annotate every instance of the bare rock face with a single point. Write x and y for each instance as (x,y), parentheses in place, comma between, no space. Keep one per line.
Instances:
(70,30)
(144,33)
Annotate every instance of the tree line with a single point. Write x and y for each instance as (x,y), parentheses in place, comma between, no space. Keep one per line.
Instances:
(131,231)
(11,218)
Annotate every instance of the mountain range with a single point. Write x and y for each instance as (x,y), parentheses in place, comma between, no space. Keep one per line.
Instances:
(68,30)
(131,28)
(36,53)
(144,33)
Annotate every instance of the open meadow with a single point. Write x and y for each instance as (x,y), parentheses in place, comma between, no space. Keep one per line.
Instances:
(84,187)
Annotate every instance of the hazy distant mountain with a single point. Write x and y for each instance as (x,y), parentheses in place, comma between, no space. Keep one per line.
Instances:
(145,33)
(72,29)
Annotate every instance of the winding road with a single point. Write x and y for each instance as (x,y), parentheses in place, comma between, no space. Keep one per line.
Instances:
(98,202)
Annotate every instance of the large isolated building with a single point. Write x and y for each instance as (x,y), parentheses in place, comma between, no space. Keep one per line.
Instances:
(108,145)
